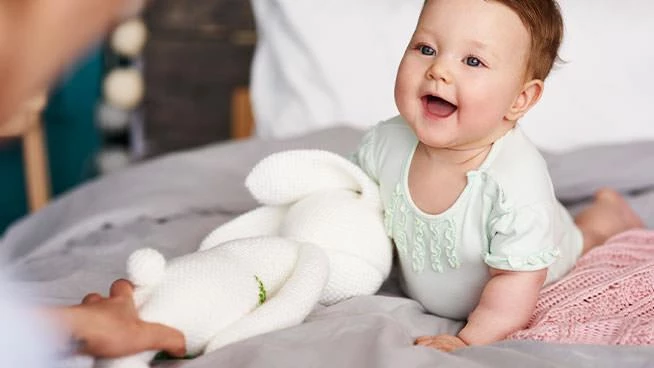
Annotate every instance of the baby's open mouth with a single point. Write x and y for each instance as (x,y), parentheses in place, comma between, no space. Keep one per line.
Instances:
(438,106)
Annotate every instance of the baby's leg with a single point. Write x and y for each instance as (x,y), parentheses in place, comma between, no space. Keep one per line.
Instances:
(609,214)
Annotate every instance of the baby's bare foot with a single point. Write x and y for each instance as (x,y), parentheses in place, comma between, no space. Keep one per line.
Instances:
(626,217)
(609,215)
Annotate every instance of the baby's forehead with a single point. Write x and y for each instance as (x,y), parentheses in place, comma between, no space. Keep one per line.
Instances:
(475,12)
(483,24)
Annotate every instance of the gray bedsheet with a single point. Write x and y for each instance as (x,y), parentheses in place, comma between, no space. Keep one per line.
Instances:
(81,241)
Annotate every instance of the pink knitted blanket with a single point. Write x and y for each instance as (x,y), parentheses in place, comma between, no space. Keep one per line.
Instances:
(608,298)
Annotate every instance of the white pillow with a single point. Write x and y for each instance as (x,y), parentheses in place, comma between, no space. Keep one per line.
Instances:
(604,93)
(323,62)
(320,63)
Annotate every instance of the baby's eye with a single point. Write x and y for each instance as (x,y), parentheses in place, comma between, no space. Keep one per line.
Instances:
(473,61)
(426,50)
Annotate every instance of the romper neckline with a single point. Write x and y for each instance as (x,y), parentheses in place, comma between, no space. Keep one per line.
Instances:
(470,175)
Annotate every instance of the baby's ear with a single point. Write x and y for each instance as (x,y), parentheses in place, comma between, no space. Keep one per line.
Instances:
(528,97)
(286,177)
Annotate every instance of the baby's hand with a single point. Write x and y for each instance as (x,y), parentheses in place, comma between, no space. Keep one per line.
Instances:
(446,343)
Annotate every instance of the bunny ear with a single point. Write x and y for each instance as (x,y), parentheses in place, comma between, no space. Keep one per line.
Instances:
(289,176)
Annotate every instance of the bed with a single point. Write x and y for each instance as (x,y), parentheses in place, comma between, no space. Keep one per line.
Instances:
(80,242)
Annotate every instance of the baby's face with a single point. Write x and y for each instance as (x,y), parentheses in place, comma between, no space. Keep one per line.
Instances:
(462,72)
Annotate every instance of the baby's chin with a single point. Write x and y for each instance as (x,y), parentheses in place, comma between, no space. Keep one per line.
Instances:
(440,134)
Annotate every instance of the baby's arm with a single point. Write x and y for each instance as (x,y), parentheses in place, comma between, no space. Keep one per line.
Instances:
(507,302)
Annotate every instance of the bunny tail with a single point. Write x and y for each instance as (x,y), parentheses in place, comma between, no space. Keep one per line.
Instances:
(146,267)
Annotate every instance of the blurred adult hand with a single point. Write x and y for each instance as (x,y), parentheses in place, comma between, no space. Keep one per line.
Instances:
(110,326)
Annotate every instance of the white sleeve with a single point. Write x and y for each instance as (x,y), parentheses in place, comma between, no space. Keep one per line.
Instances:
(364,156)
(522,239)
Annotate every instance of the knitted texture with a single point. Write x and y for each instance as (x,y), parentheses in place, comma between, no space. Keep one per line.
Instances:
(317,238)
(321,198)
(608,298)
(213,296)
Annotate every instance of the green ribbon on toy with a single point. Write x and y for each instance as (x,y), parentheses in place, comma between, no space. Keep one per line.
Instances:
(263,296)
(262,290)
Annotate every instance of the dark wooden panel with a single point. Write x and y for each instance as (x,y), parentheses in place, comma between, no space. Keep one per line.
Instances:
(197,54)
(210,19)
(187,122)
(195,61)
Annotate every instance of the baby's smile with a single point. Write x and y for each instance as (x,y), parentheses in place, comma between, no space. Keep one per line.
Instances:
(438,107)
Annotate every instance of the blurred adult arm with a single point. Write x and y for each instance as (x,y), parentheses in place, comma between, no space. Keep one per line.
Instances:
(38,38)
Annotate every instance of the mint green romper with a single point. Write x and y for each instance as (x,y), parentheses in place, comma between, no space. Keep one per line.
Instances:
(506,217)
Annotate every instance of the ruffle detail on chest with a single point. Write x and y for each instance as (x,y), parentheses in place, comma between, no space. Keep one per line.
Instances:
(434,242)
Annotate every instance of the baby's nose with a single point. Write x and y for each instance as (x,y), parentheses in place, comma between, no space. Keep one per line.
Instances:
(438,71)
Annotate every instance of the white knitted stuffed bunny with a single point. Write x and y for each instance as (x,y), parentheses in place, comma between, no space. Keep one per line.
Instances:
(318,238)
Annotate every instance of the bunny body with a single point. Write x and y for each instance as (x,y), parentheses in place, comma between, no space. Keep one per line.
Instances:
(318,238)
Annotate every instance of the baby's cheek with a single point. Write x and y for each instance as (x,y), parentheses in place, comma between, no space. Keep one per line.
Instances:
(405,104)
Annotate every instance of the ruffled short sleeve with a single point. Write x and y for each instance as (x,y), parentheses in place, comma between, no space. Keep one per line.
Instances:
(522,239)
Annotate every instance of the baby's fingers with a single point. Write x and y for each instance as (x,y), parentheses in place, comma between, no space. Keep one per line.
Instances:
(121,287)
(91,298)
(446,343)
(161,337)
(424,340)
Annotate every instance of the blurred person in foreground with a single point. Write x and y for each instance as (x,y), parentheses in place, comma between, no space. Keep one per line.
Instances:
(38,40)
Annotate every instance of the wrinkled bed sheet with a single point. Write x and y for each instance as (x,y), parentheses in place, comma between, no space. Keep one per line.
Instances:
(81,241)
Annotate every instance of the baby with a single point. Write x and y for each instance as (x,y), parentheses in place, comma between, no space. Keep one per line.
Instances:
(468,199)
